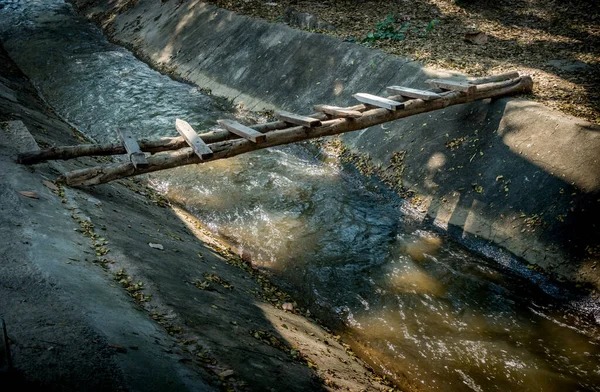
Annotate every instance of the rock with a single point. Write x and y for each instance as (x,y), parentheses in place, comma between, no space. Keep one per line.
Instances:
(305,20)
(156,246)
(569,65)
(287,306)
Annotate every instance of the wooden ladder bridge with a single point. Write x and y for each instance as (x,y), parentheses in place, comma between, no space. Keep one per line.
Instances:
(234,138)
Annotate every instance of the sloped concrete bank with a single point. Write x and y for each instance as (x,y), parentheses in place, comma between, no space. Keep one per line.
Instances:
(509,172)
(90,306)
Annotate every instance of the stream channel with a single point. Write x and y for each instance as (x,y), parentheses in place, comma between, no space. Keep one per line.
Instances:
(434,314)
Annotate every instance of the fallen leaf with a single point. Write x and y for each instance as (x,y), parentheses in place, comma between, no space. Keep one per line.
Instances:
(50,185)
(29,194)
(156,246)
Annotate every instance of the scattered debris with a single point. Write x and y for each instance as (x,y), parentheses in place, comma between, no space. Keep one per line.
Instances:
(50,185)
(455,143)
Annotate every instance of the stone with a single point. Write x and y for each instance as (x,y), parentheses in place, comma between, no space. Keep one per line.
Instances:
(569,65)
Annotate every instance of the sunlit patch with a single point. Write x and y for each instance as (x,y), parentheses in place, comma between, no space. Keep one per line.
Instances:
(338,88)
(422,246)
(414,280)
(436,161)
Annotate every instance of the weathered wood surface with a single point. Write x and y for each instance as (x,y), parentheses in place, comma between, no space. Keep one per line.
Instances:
(494,78)
(230,148)
(243,131)
(297,119)
(339,112)
(445,84)
(378,101)
(191,137)
(413,93)
(136,156)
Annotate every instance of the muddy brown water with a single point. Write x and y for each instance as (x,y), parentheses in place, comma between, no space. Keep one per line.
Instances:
(433,314)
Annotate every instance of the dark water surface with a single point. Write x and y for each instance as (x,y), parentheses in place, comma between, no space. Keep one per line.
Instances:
(435,315)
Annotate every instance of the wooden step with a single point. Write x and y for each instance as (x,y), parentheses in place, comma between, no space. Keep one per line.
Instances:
(136,156)
(378,101)
(192,138)
(297,119)
(336,111)
(413,93)
(243,131)
(453,85)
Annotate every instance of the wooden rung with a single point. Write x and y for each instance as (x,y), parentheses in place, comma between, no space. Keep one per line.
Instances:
(337,111)
(192,138)
(495,78)
(445,84)
(297,119)
(243,131)
(136,156)
(378,101)
(413,93)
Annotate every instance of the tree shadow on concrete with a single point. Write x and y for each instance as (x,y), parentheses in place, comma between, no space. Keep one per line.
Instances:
(221,319)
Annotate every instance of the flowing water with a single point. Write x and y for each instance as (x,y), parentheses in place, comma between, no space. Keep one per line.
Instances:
(432,314)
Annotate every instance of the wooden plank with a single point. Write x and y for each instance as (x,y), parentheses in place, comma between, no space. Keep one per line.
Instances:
(297,119)
(378,101)
(495,78)
(243,131)
(192,138)
(445,84)
(136,156)
(413,93)
(337,111)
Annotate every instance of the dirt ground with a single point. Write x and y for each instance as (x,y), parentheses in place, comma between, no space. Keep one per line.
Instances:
(556,42)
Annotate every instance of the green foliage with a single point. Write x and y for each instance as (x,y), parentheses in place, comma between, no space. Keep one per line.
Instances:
(391,29)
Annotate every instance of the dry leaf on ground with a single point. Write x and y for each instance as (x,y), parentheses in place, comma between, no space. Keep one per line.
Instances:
(31,195)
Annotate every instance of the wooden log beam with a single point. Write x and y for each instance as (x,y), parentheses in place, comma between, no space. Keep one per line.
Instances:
(494,78)
(230,148)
